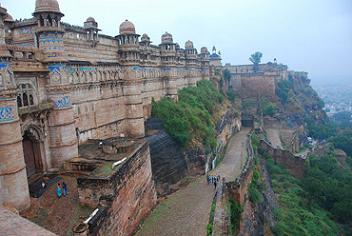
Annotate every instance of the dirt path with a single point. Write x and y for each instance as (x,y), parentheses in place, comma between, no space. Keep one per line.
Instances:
(186,212)
(274,137)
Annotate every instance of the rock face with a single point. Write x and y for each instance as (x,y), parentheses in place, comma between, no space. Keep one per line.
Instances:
(169,165)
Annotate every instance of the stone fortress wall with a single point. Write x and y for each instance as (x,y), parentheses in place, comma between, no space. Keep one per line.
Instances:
(249,83)
(61,85)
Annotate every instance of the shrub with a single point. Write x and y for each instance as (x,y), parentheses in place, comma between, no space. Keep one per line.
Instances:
(293,215)
(190,118)
(235,215)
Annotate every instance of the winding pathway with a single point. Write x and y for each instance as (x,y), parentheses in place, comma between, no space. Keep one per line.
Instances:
(186,212)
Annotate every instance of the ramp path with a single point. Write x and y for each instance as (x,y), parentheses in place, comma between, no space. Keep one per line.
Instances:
(186,212)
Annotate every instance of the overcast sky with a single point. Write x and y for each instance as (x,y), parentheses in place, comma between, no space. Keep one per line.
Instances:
(309,35)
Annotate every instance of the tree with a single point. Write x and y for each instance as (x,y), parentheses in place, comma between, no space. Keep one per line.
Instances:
(256,59)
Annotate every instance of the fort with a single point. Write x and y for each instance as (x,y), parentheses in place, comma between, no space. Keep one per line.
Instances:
(74,103)
(67,89)
(62,85)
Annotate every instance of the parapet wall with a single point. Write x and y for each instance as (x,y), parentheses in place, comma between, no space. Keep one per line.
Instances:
(294,164)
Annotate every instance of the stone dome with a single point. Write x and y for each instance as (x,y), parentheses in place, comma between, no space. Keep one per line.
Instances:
(47,6)
(166,38)
(8,18)
(189,45)
(145,38)
(91,19)
(127,27)
(204,50)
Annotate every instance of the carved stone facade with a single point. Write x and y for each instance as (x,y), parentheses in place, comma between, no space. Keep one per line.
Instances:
(61,85)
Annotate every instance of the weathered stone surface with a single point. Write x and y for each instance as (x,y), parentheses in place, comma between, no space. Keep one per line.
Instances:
(15,225)
(128,193)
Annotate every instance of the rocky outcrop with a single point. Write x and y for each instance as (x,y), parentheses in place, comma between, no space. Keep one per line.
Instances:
(169,166)
(171,162)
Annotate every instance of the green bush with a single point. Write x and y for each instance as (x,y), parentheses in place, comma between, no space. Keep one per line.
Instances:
(190,119)
(235,215)
(268,108)
(294,215)
(231,94)
(255,195)
(329,185)
(282,90)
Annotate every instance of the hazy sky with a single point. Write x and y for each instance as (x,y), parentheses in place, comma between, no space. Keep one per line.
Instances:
(310,35)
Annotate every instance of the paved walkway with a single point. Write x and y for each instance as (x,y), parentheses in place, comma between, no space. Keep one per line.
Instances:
(186,212)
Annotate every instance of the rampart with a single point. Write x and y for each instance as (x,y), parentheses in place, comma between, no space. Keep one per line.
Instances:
(294,164)
(124,195)
(248,82)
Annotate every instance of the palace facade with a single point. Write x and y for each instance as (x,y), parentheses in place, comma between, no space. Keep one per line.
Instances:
(61,85)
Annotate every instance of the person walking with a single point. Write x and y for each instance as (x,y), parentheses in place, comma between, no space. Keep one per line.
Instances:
(214,183)
(64,187)
(58,191)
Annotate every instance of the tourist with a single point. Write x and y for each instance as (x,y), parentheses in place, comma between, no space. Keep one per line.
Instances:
(64,187)
(214,184)
(58,191)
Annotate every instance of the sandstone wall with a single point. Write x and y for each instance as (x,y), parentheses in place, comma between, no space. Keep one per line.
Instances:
(253,85)
(129,191)
(294,164)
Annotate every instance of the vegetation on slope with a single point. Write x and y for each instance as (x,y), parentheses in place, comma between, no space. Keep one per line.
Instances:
(294,216)
(189,120)
(329,185)
(235,211)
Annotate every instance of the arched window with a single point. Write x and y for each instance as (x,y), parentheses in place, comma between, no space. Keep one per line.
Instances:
(26,95)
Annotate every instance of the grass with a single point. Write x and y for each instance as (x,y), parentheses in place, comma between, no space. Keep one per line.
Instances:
(211,218)
(293,215)
(235,211)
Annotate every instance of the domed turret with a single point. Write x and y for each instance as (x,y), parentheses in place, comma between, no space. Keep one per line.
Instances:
(90,23)
(127,27)
(42,6)
(91,20)
(145,38)
(8,18)
(204,50)
(189,45)
(166,38)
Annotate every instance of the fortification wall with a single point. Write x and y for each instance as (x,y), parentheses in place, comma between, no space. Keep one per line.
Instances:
(294,164)
(253,85)
(128,194)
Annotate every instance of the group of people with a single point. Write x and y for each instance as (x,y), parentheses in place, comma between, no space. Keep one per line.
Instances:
(61,189)
(213,179)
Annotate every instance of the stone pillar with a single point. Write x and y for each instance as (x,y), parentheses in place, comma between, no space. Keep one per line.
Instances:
(134,109)
(63,140)
(172,88)
(13,176)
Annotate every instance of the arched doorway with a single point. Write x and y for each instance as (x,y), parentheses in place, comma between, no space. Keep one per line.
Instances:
(32,153)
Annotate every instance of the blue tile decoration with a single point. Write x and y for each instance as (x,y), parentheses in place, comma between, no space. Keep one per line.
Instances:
(136,68)
(6,114)
(63,102)
(3,65)
(54,68)
(86,68)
